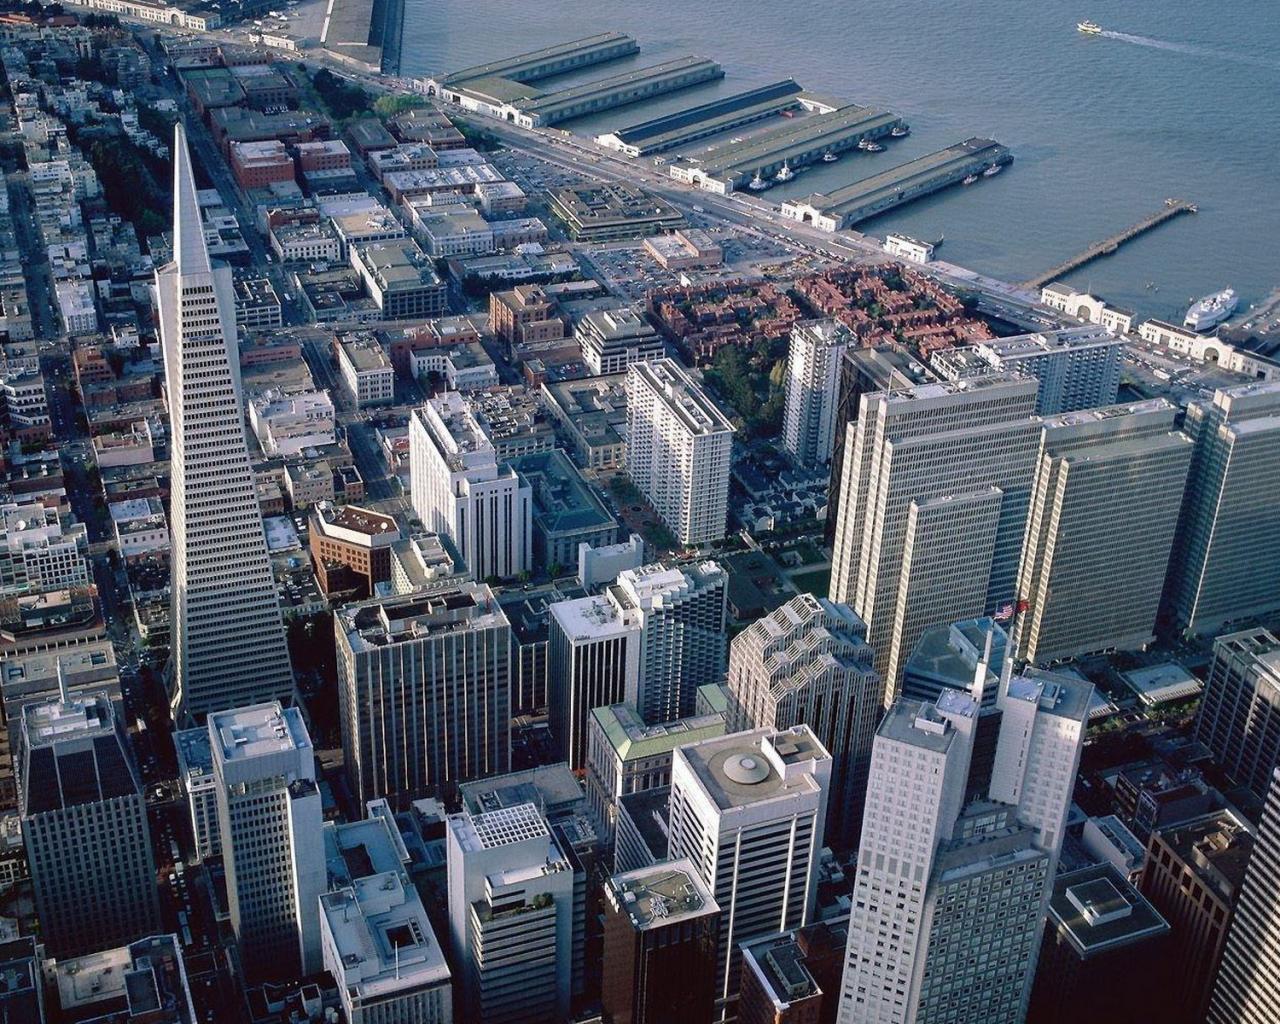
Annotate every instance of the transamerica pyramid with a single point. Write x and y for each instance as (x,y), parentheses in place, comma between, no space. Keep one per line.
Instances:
(228,645)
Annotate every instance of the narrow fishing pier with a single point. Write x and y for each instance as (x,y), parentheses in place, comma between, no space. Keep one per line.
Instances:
(1171,209)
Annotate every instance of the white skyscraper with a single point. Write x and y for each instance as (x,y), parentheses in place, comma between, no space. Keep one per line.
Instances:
(949,899)
(458,489)
(679,445)
(593,660)
(936,482)
(228,646)
(1225,560)
(808,662)
(748,810)
(511,916)
(813,379)
(1103,511)
(270,819)
(1247,990)
(683,615)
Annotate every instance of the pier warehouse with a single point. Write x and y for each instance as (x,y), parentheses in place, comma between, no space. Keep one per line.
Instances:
(798,142)
(866,198)
(539,64)
(684,126)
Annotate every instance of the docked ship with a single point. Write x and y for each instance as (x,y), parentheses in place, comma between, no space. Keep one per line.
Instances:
(970,179)
(870,146)
(992,171)
(1089,28)
(829,157)
(785,173)
(900,131)
(1211,310)
(757,184)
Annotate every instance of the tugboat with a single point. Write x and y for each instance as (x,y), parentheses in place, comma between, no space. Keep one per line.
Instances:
(874,147)
(970,179)
(992,171)
(757,184)
(900,131)
(785,173)
(1089,28)
(829,157)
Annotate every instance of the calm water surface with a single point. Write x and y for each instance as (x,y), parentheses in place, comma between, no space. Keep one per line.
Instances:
(1182,97)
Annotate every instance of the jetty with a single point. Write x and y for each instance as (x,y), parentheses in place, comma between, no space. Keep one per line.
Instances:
(1172,208)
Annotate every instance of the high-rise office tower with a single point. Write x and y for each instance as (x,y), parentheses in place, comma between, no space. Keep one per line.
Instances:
(949,656)
(683,614)
(84,825)
(270,819)
(808,662)
(927,937)
(661,933)
(1225,559)
(678,450)
(1104,507)
(1247,990)
(1102,940)
(1077,367)
(228,645)
(593,660)
(863,370)
(424,691)
(1192,876)
(813,375)
(458,488)
(748,810)
(1239,718)
(511,916)
(920,466)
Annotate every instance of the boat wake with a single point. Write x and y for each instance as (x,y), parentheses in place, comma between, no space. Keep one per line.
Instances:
(1191,49)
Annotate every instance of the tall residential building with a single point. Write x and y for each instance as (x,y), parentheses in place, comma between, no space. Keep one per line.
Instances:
(808,662)
(511,916)
(1192,876)
(424,691)
(1103,939)
(375,937)
(684,616)
(661,934)
(1247,990)
(1077,367)
(626,755)
(1104,508)
(813,370)
(1225,562)
(228,646)
(930,471)
(748,810)
(1239,718)
(864,370)
(270,819)
(950,889)
(593,660)
(459,489)
(84,825)
(679,447)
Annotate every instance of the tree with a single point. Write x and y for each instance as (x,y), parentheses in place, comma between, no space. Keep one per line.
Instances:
(387,105)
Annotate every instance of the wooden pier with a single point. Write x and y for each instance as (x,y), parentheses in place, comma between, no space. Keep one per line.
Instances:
(1171,209)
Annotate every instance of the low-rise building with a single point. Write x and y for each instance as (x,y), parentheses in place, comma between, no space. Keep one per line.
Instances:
(195,774)
(287,424)
(76,307)
(365,368)
(566,513)
(257,304)
(306,243)
(613,339)
(602,212)
(144,982)
(686,249)
(141,529)
(453,231)
(464,367)
(41,551)
(400,279)
(351,545)
(257,164)
(373,222)
(524,315)
(593,413)
(309,484)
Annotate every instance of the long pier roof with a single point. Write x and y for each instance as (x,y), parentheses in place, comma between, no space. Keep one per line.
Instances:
(646,131)
(551,101)
(511,67)
(795,136)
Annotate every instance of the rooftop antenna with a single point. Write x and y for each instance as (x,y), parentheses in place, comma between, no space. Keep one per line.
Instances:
(980,671)
(63,695)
